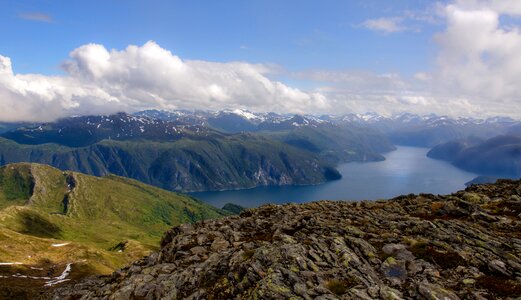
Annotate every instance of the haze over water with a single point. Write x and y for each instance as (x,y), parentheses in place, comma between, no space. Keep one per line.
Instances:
(406,170)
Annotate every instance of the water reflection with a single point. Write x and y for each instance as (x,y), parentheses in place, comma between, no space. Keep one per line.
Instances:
(406,170)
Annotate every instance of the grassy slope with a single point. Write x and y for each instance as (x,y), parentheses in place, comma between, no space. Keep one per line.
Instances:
(101,213)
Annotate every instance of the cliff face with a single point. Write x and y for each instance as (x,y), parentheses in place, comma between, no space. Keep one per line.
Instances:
(210,163)
(462,246)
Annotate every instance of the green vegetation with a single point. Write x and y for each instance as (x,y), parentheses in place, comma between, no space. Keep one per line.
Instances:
(336,144)
(101,214)
(233,208)
(213,162)
(499,156)
(16,185)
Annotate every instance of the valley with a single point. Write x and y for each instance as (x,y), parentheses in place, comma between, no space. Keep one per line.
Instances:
(405,170)
(260,149)
(61,225)
(195,151)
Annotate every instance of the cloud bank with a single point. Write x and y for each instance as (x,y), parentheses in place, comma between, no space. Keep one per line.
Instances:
(140,77)
(477,72)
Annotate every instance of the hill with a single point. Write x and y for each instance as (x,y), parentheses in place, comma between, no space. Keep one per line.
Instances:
(50,219)
(499,156)
(335,143)
(460,246)
(329,138)
(187,164)
(180,154)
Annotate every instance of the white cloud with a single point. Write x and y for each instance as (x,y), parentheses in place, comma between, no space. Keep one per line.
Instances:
(388,25)
(477,73)
(509,7)
(140,77)
(479,58)
(362,91)
(422,76)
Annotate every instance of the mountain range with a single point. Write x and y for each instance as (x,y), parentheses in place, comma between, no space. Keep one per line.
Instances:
(402,129)
(188,155)
(230,149)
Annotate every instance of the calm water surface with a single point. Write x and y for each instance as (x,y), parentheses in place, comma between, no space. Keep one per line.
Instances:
(406,170)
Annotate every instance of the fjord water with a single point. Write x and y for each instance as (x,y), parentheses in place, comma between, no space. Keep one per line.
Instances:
(406,170)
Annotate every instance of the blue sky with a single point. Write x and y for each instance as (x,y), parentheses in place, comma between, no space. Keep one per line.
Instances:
(453,57)
(295,34)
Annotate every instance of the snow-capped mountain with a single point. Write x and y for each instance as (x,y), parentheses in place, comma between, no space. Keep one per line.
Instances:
(402,129)
(405,128)
(238,120)
(85,130)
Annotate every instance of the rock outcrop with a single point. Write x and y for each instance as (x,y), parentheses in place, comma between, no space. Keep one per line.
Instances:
(461,246)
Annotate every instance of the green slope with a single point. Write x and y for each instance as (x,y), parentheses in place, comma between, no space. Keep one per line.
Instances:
(336,144)
(41,206)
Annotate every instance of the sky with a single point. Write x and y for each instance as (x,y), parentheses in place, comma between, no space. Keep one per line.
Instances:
(454,57)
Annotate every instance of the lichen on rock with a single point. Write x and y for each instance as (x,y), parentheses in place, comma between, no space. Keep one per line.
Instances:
(462,246)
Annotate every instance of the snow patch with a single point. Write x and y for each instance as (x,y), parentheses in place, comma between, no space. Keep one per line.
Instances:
(62,277)
(246,114)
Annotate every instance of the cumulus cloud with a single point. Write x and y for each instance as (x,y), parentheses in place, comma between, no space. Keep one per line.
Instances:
(477,73)
(511,7)
(480,58)
(98,80)
(387,94)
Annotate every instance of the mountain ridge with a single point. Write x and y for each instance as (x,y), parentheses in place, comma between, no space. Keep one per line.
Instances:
(499,156)
(50,219)
(460,246)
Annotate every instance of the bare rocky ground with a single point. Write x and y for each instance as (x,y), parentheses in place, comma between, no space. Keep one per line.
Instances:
(461,246)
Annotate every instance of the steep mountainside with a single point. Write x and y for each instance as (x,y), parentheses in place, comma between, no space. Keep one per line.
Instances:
(337,144)
(499,156)
(450,150)
(188,164)
(462,246)
(50,219)
(335,141)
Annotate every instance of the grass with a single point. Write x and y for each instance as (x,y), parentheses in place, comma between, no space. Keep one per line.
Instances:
(102,213)
(16,185)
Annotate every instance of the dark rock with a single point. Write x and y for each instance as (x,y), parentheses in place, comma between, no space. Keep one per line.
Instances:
(463,246)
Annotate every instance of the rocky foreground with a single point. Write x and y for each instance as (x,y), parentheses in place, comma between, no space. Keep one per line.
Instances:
(461,246)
